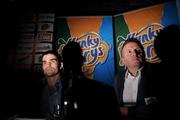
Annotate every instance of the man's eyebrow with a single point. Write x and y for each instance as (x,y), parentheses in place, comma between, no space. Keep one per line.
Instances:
(53,59)
(50,59)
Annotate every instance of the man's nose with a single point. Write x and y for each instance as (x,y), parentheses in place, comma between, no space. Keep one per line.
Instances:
(48,63)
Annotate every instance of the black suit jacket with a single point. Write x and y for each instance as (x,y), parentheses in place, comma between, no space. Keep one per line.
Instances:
(146,106)
(87,100)
(93,100)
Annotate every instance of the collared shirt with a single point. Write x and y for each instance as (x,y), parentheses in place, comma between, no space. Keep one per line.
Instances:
(131,88)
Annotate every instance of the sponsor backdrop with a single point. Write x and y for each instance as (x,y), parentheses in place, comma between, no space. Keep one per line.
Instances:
(95,36)
(144,24)
(99,36)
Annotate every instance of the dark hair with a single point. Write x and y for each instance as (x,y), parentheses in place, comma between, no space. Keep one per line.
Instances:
(72,55)
(72,63)
(135,40)
(53,53)
(165,39)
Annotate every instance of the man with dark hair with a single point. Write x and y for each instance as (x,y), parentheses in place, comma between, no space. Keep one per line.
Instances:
(51,96)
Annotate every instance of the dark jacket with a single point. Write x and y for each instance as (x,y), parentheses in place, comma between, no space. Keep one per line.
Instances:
(91,100)
(86,100)
(146,105)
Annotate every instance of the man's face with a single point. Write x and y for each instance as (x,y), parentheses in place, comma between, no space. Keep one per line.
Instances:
(50,65)
(132,55)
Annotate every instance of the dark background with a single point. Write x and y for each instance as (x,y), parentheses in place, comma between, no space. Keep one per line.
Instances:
(20,95)
(80,7)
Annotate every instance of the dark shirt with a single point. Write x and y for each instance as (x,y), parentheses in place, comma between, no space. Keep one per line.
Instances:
(55,98)
(51,100)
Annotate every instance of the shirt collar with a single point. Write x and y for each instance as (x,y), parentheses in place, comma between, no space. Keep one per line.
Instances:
(127,74)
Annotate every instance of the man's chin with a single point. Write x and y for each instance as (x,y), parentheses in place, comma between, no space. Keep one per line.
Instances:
(136,64)
(49,74)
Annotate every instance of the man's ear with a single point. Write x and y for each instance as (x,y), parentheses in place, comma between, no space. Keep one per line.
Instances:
(61,65)
(121,61)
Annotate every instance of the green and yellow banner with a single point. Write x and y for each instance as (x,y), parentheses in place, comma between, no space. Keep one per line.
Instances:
(95,36)
(144,24)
